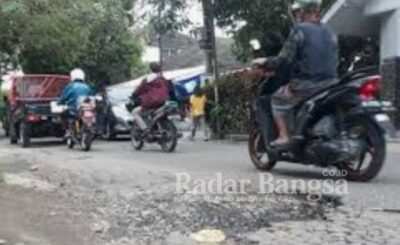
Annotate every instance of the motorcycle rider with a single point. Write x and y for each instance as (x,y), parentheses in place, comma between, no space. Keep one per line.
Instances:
(73,91)
(309,58)
(151,94)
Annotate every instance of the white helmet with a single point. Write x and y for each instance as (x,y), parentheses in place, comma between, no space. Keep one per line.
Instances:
(77,74)
(306,5)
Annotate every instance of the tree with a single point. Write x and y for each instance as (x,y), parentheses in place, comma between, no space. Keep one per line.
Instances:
(54,36)
(264,20)
(112,51)
(10,23)
(166,16)
(269,22)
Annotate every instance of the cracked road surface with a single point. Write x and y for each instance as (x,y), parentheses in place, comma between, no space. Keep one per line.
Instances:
(115,195)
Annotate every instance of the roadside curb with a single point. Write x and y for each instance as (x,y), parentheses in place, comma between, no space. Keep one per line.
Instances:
(393,140)
(237,137)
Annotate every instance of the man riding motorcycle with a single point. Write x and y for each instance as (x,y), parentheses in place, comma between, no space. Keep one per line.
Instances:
(72,92)
(151,94)
(307,62)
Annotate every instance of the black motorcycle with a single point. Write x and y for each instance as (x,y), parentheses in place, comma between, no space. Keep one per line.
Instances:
(334,127)
(162,130)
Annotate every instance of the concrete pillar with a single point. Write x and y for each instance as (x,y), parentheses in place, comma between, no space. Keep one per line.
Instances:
(390,60)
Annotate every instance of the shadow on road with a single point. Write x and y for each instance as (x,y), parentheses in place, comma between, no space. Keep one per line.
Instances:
(44,144)
(119,139)
(305,174)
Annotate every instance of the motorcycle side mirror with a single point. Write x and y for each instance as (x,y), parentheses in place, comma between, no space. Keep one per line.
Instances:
(255,44)
(353,64)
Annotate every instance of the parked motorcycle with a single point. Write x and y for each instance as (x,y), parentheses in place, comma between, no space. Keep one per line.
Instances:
(162,130)
(83,130)
(338,126)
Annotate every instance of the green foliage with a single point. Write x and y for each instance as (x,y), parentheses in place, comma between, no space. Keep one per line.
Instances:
(269,22)
(167,15)
(237,93)
(54,36)
(111,49)
(265,20)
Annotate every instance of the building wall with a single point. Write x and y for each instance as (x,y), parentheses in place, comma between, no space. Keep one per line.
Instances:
(369,18)
(390,35)
(390,59)
(373,7)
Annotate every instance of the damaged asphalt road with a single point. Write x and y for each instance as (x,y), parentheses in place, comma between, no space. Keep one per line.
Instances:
(114,195)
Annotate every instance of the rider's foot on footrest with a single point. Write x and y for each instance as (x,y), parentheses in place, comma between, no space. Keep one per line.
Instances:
(280,142)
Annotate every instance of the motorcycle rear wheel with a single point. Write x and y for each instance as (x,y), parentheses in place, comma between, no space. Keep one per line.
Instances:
(170,140)
(261,160)
(375,148)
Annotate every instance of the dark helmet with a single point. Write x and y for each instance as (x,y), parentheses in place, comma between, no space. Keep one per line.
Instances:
(155,67)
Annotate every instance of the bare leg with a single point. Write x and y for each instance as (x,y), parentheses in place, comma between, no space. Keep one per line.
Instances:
(205,128)
(194,127)
(283,128)
(138,118)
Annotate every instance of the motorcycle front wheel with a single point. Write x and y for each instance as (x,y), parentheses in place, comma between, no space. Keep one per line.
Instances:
(136,141)
(70,142)
(86,140)
(258,154)
(169,139)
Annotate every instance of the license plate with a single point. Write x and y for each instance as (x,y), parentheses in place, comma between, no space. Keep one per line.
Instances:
(88,114)
(382,118)
(375,106)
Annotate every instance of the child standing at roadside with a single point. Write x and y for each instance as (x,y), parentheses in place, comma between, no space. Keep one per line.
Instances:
(198,103)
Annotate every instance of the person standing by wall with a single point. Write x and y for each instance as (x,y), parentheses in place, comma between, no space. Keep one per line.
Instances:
(198,103)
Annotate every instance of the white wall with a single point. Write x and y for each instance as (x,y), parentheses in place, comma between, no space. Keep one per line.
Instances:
(390,35)
(373,7)
(368,17)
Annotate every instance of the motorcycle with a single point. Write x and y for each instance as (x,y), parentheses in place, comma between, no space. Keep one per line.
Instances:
(337,126)
(162,130)
(83,130)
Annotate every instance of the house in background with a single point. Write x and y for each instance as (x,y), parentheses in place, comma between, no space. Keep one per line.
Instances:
(380,18)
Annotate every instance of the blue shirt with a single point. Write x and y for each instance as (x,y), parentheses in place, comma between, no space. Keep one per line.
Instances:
(311,51)
(72,93)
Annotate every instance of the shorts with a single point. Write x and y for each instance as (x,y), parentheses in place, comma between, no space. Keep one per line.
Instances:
(289,96)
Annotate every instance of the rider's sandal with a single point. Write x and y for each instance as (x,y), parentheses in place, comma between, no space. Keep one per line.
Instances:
(279,142)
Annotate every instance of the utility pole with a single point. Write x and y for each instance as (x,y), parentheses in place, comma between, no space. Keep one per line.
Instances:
(208,23)
(210,48)
(160,42)
(160,47)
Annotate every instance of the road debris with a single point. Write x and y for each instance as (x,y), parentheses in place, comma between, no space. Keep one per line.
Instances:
(100,227)
(209,236)
(386,210)
(34,168)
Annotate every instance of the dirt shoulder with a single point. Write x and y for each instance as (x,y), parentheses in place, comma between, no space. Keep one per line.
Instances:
(37,218)
(42,203)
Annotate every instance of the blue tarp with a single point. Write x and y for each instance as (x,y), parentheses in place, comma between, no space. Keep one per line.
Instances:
(187,86)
